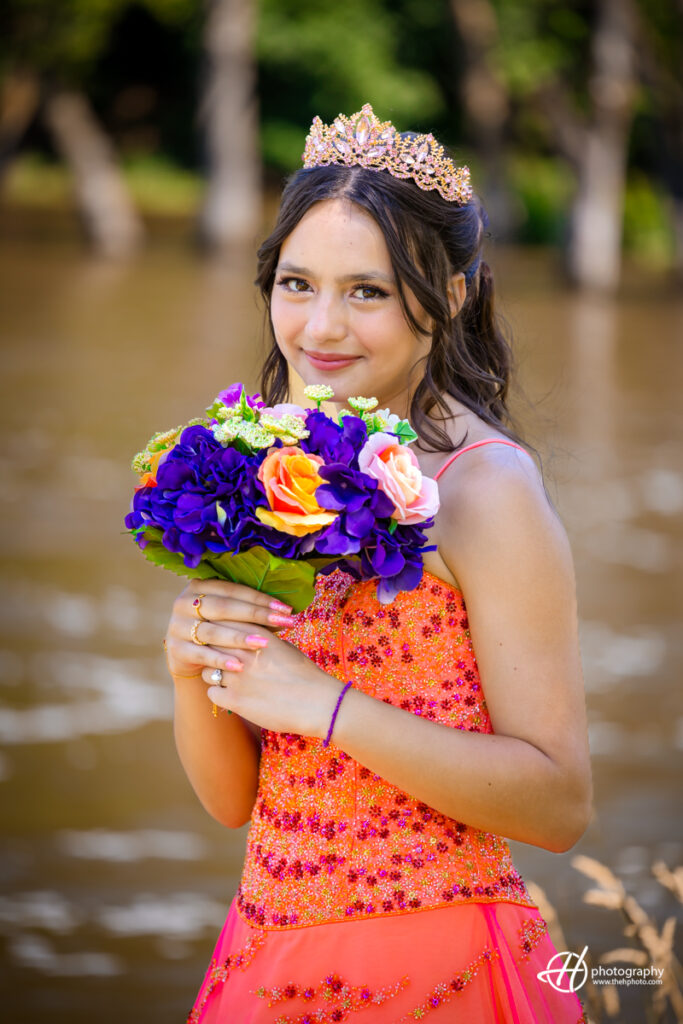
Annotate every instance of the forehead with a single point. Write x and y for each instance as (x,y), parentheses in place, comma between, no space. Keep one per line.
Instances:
(336,234)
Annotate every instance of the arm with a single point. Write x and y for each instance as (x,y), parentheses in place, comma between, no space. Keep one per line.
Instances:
(220,755)
(530,781)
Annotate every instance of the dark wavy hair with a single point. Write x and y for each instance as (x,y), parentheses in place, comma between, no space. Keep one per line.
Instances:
(428,239)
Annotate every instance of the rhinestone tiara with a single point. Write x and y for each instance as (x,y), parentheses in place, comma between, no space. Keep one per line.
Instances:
(363,140)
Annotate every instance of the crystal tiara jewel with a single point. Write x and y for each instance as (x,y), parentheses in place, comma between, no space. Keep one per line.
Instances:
(365,141)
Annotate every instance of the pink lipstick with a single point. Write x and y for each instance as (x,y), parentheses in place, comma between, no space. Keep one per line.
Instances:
(330,361)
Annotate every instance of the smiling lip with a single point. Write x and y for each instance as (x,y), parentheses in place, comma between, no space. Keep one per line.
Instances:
(329,361)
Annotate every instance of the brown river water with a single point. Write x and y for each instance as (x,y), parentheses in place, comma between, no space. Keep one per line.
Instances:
(114,881)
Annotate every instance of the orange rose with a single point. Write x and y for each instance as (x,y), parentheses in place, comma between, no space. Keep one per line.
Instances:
(290,477)
(150,479)
(146,480)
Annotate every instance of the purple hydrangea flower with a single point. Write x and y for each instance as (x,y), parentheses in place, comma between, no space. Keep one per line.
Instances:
(205,499)
(335,443)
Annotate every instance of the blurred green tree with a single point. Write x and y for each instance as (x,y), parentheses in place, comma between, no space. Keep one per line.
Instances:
(324,57)
(571,72)
(49,50)
(570,114)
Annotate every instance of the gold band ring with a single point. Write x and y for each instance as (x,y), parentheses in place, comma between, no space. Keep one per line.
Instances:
(193,635)
(197,605)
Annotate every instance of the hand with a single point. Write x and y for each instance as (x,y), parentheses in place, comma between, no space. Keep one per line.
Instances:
(275,686)
(222,605)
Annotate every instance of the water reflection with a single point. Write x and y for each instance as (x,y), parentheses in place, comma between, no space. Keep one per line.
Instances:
(594,351)
(111,870)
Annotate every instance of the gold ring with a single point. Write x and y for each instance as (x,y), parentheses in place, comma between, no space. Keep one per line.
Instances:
(197,605)
(194,637)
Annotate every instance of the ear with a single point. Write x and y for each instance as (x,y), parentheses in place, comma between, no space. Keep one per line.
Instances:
(457,291)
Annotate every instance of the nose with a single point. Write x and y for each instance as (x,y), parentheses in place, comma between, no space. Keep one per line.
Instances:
(327,319)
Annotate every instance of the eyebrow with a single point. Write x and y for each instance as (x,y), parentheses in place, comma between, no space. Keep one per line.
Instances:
(361,275)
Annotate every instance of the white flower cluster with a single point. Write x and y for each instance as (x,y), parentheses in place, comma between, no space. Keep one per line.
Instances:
(225,412)
(158,442)
(224,433)
(140,463)
(319,392)
(289,428)
(252,434)
(361,404)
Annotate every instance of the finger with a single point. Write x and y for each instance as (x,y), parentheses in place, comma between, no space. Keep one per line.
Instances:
(237,592)
(236,608)
(183,654)
(214,634)
(221,676)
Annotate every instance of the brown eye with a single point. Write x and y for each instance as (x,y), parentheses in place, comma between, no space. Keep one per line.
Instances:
(377,293)
(286,281)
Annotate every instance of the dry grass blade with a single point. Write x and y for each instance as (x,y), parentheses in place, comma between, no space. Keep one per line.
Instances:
(598,872)
(672,880)
(657,946)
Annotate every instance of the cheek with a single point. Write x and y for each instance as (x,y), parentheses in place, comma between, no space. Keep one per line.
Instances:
(386,333)
(288,319)
(378,328)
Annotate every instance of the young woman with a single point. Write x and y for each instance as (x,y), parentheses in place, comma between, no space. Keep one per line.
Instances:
(377,879)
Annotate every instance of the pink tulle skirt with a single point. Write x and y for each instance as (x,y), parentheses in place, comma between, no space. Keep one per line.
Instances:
(472,963)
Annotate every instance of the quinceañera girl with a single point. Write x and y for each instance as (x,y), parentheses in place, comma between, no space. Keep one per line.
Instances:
(382,752)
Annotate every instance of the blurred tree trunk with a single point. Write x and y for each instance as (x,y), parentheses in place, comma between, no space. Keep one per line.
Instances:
(19,102)
(229,113)
(486,104)
(594,253)
(108,214)
(667,89)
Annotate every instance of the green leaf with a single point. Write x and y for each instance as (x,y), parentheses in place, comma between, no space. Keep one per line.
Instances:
(405,433)
(289,580)
(213,409)
(393,523)
(248,414)
(156,553)
(284,578)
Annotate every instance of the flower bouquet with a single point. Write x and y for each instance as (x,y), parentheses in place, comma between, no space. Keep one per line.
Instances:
(270,497)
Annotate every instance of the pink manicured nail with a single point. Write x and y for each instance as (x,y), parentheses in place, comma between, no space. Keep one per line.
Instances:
(281,620)
(278,606)
(234,664)
(256,641)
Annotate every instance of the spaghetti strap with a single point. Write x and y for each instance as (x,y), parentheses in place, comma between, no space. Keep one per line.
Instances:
(477,444)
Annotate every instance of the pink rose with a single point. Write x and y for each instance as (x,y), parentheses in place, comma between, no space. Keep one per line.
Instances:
(398,474)
(283,409)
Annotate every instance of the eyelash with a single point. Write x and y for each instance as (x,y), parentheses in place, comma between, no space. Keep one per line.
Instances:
(379,292)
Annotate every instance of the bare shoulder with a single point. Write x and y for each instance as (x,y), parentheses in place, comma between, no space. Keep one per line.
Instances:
(495,509)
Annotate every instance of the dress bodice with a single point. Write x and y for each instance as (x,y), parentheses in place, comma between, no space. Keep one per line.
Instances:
(330,840)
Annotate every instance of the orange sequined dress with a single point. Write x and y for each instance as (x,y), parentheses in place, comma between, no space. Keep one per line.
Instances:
(356,900)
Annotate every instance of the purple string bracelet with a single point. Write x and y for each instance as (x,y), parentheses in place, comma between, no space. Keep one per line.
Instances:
(326,742)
